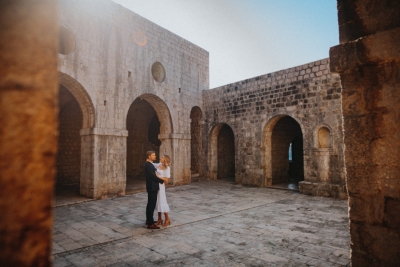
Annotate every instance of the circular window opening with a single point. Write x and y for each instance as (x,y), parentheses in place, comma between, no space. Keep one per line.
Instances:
(158,72)
(67,41)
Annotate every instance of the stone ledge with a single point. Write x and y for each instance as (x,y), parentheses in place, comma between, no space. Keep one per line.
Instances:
(103,131)
(174,136)
(379,47)
(323,189)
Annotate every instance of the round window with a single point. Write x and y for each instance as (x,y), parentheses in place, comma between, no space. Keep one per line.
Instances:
(158,72)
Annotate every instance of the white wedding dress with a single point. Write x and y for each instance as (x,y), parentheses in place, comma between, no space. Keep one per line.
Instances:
(162,205)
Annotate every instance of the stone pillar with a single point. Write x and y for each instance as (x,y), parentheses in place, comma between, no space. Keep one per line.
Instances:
(88,167)
(201,149)
(103,157)
(368,60)
(177,146)
(28,131)
(322,159)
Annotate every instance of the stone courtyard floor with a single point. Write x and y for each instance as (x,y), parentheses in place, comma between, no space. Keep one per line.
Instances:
(214,223)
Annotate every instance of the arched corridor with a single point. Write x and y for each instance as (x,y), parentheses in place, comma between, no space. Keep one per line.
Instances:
(76,112)
(283,159)
(69,144)
(144,125)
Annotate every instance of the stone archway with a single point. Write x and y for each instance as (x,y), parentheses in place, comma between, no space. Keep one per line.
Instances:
(281,134)
(76,112)
(149,126)
(82,97)
(222,153)
(195,142)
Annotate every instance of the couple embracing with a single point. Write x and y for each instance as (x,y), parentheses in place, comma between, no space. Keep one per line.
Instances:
(156,175)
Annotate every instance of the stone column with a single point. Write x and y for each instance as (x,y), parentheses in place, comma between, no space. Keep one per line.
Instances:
(177,146)
(201,149)
(88,167)
(103,157)
(368,60)
(322,159)
(28,131)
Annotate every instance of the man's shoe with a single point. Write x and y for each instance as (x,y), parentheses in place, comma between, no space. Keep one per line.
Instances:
(153,226)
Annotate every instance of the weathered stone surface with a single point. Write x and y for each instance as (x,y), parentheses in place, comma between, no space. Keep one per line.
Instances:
(28,131)
(369,68)
(213,224)
(106,58)
(309,98)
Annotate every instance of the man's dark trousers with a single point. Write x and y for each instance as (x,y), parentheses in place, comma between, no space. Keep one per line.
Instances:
(151,205)
(152,187)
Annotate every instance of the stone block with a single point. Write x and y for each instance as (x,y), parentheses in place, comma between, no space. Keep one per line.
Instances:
(376,243)
(392,212)
(364,180)
(368,209)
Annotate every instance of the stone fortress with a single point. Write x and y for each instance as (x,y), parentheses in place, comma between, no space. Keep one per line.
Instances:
(115,83)
(128,86)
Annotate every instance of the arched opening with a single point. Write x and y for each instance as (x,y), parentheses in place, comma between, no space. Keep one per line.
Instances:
(283,153)
(76,112)
(147,119)
(69,144)
(222,153)
(195,141)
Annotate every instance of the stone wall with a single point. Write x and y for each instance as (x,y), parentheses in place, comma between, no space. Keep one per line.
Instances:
(109,57)
(69,140)
(368,60)
(195,141)
(311,96)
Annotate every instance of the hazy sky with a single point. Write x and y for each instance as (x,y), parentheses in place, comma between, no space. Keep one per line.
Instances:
(247,38)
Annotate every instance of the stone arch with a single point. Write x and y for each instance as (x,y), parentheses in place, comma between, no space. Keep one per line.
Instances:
(215,150)
(149,126)
(196,115)
(322,136)
(162,110)
(276,142)
(82,97)
(76,112)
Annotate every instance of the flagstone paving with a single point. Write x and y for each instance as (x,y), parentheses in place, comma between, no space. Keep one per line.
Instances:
(214,223)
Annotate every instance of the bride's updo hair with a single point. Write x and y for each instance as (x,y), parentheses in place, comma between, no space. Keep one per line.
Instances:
(167,160)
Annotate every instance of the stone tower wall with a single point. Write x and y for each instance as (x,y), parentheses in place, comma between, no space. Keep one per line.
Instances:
(309,94)
(107,54)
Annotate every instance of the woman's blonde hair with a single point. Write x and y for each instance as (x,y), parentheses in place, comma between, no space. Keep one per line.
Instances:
(167,160)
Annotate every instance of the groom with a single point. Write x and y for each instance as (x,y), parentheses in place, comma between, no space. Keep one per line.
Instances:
(152,187)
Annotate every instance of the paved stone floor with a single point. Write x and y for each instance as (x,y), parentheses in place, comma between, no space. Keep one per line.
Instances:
(214,223)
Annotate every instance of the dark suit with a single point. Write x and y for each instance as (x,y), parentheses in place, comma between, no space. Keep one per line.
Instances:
(152,187)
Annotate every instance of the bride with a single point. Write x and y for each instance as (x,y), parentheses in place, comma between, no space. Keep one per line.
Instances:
(163,171)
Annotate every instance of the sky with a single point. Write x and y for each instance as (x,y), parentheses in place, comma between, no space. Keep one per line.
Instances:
(248,38)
